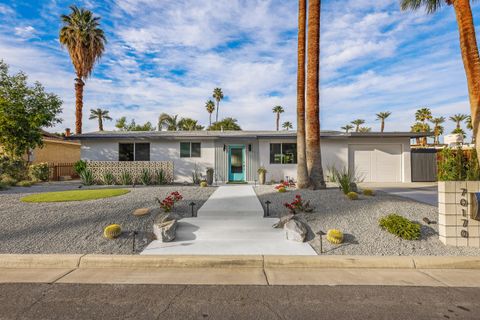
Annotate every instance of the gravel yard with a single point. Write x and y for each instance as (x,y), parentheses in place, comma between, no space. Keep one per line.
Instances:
(358,220)
(77,227)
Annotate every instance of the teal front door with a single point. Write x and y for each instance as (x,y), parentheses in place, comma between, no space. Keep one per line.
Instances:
(236,163)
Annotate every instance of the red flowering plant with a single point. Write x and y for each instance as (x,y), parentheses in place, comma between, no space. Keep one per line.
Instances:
(298,205)
(284,185)
(168,203)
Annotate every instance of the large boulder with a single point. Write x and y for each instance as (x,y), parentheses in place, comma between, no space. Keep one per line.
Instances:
(166,231)
(166,217)
(283,220)
(295,230)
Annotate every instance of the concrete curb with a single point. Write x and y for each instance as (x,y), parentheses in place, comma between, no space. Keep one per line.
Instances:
(78,261)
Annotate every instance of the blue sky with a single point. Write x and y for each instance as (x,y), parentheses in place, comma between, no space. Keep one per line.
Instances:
(167,56)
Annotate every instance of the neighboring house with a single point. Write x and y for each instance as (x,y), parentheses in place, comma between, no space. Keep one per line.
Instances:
(236,155)
(56,149)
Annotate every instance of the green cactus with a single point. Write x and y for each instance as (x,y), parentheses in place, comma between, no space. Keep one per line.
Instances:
(352,195)
(368,192)
(112,231)
(334,236)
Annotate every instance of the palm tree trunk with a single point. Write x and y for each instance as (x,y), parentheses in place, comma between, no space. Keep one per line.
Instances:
(314,157)
(216,115)
(383,126)
(278,121)
(78,105)
(471,61)
(210,119)
(302,172)
(100,123)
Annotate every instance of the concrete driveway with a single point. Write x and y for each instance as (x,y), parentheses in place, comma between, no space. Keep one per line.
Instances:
(425,192)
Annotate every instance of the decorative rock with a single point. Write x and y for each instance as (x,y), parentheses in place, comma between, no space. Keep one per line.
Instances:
(283,220)
(141,212)
(165,232)
(166,217)
(295,230)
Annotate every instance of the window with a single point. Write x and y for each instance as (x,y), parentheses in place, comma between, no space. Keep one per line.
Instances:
(134,151)
(190,150)
(283,153)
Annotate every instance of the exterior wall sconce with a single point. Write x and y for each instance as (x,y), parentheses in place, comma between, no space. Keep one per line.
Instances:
(224,147)
(249,148)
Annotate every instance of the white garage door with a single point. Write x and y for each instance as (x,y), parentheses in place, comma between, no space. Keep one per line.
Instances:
(377,163)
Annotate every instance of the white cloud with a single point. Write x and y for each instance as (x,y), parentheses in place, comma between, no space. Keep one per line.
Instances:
(25,32)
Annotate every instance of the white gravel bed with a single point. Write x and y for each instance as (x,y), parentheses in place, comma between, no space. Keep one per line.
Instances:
(358,220)
(77,227)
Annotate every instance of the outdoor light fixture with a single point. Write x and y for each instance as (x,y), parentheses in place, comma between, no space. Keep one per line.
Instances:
(134,233)
(320,233)
(194,214)
(267,214)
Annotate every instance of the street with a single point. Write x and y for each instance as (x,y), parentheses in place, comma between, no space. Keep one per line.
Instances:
(83,301)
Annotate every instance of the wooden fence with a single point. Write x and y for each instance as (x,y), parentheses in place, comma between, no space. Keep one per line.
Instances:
(58,170)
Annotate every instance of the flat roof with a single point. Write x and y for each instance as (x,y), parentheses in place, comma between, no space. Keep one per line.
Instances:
(234,134)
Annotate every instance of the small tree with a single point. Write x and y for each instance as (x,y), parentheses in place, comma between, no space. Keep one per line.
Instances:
(24,110)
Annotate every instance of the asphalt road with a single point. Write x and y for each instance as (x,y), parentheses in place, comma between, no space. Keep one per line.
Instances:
(73,301)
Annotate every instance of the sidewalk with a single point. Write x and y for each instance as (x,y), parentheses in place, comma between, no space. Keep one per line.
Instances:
(231,222)
(242,270)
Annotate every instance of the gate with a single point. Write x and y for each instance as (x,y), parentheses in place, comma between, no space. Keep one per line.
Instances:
(424,165)
(58,170)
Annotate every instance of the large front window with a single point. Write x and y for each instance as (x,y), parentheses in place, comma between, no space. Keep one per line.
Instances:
(190,150)
(134,151)
(283,153)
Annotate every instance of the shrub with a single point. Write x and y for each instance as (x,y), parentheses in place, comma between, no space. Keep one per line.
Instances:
(400,226)
(80,166)
(298,205)
(352,195)
(126,178)
(145,177)
(473,170)
(39,172)
(261,170)
(112,231)
(346,179)
(87,177)
(108,178)
(368,192)
(24,183)
(3,186)
(282,189)
(15,168)
(203,184)
(9,181)
(160,177)
(196,176)
(334,236)
(168,203)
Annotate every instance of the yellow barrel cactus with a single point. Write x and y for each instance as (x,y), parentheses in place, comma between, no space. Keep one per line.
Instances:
(335,236)
(112,231)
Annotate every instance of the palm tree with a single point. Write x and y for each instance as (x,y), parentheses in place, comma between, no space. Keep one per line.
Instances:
(365,129)
(420,127)
(469,124)
(302,171)
(468,47)
(166,120)
(229,124)
(458,118)
(189,124)
(314,157)
(437,129)
(287,125)
(347,128)
(210,106)
(85,42)
(382,116)
(423,115)
(357,124)
(100,115)
(218,96)
(277,110)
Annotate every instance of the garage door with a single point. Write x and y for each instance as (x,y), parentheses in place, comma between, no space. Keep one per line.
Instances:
(377,163)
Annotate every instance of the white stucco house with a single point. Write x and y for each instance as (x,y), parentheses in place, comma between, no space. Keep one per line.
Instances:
(236,155)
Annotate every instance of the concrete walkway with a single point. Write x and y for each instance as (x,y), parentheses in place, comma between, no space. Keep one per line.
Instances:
(230,223)
(425,192)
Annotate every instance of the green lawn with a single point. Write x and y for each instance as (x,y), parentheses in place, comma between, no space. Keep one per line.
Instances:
(74,195)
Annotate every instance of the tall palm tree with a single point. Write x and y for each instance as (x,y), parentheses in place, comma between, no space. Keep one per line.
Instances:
(468,47)
(438,128)
(287,125)
(302,170)
(100,115)
(218,96)
(469,125)
(423,115)
(458,118)
(278,110)
(347,128)
(382,116)
(357,123)
(85,42)
(168,121)
(420,127)
(314,156)
(210,106)
(365,129)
